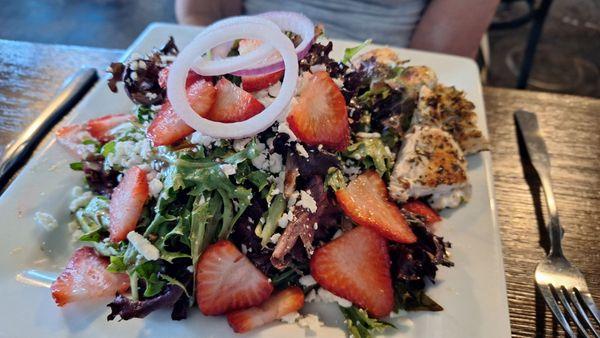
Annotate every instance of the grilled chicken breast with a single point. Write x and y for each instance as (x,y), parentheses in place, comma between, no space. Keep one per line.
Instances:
(430,163)
(448,109)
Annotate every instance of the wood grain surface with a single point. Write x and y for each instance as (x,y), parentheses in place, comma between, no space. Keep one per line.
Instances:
(31,73)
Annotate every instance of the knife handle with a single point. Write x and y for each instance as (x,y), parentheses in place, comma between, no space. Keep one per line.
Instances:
(70,93)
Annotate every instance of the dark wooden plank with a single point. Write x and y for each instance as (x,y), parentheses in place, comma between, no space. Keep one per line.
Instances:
(30,75)
(570,126)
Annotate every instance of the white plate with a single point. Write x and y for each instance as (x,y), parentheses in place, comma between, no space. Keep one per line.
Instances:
(473,293)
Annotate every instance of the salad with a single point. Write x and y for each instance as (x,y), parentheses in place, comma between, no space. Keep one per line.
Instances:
(251,178)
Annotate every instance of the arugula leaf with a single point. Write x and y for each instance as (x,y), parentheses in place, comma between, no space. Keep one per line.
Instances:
(335,179)
(116,264)
(108,148)
(371,152)
(360,325)
(349,53)
(287,277)
(273,215)
(93,219)
(77,166)
(172,281)
(148,272)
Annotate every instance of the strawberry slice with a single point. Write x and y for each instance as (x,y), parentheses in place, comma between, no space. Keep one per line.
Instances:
(257,82)
(319,114)
(71,138)
(226,280)
(126,203)
(365,200)
(233,104)
(85,277)
(277,306)
(356,266)
(168,128)
(420,208)
(100,128)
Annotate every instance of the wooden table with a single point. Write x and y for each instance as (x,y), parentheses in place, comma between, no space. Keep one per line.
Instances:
(31,73)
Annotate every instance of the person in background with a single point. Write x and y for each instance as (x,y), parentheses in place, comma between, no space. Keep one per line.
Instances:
(446,26)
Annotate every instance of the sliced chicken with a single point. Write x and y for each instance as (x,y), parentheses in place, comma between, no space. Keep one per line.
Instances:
(430,163)
(447,108)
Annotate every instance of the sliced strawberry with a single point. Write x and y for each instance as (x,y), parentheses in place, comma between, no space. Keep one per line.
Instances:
(85,277)
(258,82)
(192,77)
(277,306)
(319,114)
(420,208)
(356,266)
(126,203)
(226,280)
(167,128)
(233,104)
(100,128)
(71,137)
(365,200)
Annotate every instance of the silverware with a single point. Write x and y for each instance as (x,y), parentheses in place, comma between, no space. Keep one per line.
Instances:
(70,93)
(561,284)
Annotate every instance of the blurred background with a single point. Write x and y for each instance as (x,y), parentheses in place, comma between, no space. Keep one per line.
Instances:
(567,59)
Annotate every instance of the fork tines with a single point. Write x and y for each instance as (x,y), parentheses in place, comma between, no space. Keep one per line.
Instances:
(579,307)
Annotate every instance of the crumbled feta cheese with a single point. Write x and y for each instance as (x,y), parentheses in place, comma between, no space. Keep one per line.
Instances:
(283,221)
(307,280)
(310,321)
(80,201)
(275,163)
(307,201)
(190,268)
(198,138)
(143,246)
(328,297)
(269,142)
(129,153)
(293,198)
(240,144)
(244,249)
(290,317)
(45,220)
(301,150)
(261,161)
(133,76)
(263,97)
(311,297)
(316,226)
(275,238)
(154,187)
(228,169)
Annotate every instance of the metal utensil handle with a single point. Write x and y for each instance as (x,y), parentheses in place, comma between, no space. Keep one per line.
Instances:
(536,148)
(71,92)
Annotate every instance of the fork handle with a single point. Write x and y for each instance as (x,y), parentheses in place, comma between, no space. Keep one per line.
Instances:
(536,148)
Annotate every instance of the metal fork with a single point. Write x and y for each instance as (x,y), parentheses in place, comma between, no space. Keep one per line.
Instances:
(559,282)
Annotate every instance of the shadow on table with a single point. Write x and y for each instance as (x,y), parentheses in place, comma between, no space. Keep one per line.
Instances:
(534,184)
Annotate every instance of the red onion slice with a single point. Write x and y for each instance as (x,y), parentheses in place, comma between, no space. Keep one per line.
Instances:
(286,21)
(273,38)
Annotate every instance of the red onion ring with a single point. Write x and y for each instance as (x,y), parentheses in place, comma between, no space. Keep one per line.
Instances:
(286,21)
(201,44)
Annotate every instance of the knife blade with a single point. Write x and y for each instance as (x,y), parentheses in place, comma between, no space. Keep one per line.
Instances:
(69,94)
